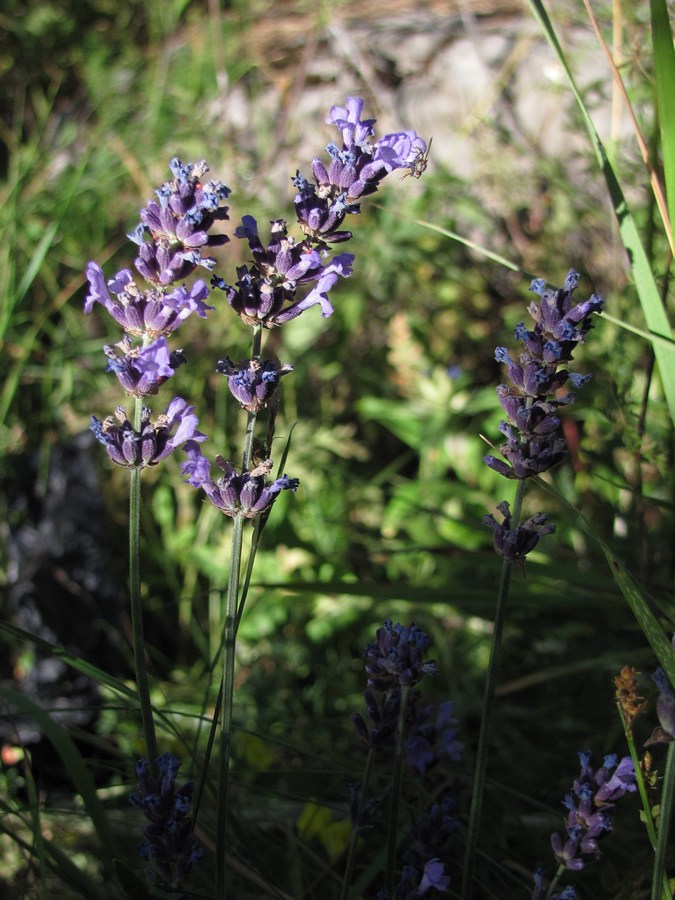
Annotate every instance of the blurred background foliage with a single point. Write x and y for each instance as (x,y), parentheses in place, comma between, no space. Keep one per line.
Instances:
(385,413)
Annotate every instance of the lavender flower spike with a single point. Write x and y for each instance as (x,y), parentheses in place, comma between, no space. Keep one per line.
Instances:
(397,657)
(591,808)
(170,845)
(154,442)
(242,495)
(530,399)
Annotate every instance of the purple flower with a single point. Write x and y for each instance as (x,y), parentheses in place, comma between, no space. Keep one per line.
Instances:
(513,544)
(266,292)
(433,876)
(170,844)
(150,314)
(355,133)
(401,150)
(591,807)
(244,495)
(174,228)
(430,740)
(532,430)
(142,370)
(252,382)
(354,171)
(397,657)
(154,442)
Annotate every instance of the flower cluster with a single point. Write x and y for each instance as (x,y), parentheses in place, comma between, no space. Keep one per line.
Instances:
(591,806)
(155,440)
(174,229)
(397,657)
(171,233)
(513,544)
(170,845)
(266,291)
(433,735)
(244,495)
(532,427)
(252,382)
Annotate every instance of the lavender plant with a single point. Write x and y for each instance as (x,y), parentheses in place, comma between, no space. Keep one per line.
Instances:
(534,444)
(418,738)
(268,293)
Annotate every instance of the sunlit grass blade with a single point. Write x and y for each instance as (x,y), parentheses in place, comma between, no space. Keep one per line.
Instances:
(652,305)
(654,176)
(664,77)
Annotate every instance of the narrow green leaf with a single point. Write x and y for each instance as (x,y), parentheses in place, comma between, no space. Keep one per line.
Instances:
(646,619)
(72,760)
(648,293)
(664,77)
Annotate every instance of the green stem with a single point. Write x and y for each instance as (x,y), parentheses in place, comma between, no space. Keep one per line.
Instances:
(487,709)
(392,838)
(354,839)
(556,878)
(232,617)
(250,422)
(227,688)
(665,815)
(138,640)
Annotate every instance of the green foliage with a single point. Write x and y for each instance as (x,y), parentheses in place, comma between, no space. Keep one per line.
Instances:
(392,407)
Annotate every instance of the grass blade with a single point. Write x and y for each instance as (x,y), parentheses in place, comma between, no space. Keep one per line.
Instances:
(73,761)
(648,293)
(664,75)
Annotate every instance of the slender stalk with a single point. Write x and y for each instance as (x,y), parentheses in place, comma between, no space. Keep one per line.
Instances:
(354,839)
(250,422)
(392,836)
(486,712)
(232,617)
(138,640)
(647,816)
(554,883)
(227,688)
(666,811)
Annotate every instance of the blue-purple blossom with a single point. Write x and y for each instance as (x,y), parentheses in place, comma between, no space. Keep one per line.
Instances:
(245,495)
(149,314)
(155,440)
(513,544)
(253,382)
(142,370)
(433,735)
(265,293)
(170,845)
(354,171)
(591,807)
(174,228)
(397,657)
(532,427)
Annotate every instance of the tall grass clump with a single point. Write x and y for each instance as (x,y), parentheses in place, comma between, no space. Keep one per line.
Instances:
(299,605)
